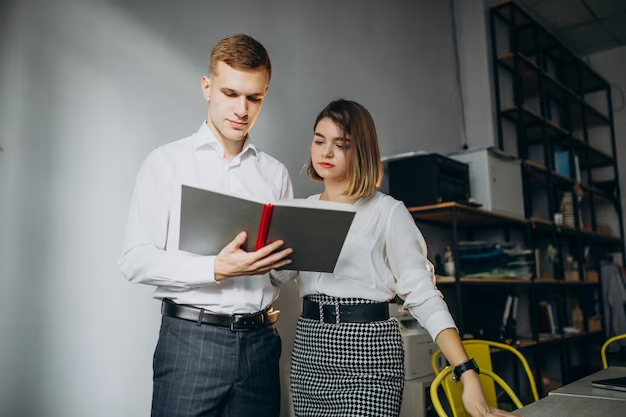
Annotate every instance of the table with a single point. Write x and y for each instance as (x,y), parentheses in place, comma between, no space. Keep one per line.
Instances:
(572,406)
(583,388)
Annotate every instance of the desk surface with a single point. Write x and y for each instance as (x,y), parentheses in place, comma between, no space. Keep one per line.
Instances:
(562,405)
(583,388)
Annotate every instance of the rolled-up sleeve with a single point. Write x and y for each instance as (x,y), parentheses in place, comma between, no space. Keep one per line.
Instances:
(414,273)
(144,258)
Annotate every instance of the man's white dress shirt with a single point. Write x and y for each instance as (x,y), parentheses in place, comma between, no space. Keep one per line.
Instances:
(384,254)
(150,252)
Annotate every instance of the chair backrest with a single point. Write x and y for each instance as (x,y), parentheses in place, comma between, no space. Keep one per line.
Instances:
(606,345)
(447,372)
(517,353)
(454,391)
(480,351)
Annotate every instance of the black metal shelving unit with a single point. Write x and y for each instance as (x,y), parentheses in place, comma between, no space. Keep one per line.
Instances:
(552,98)
(552,106)
(464,221)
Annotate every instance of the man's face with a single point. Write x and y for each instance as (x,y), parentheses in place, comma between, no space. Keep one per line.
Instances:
(235,99)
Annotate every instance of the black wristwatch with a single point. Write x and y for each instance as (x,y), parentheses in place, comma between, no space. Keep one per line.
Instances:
(464,367)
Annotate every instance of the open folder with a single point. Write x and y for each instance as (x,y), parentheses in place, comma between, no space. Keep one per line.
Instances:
(314,229)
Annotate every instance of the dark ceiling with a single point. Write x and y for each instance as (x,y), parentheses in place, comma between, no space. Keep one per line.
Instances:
(585,26)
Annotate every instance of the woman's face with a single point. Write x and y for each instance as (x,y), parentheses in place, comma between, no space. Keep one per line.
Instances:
(329,151)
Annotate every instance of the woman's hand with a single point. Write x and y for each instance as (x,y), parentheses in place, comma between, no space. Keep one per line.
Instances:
(474,399)
(473,395)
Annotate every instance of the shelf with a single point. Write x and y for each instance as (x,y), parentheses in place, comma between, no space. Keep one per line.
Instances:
(538,221)
(527,342)
(608,242)
(570,336)
(593,117)
(579,283)
(588,156)
(539,175)
(550,339)
(583,79)
(484,281)
(566,337)
(532,75)
(561,282)
(539,129)
(466,216)
(596,193)
(547,282)
(532,39)
(472,217)
(567,231)
(570,232)
(534,123)
(524,343)
(441,280)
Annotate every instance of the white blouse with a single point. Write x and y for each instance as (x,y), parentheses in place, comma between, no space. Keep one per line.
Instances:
(384,254)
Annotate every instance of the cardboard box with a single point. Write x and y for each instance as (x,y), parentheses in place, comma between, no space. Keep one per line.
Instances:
(572,276)
(592,277)
(595,325)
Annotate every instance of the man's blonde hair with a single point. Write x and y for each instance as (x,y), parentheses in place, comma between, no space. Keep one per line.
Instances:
(365,169)
(240,52)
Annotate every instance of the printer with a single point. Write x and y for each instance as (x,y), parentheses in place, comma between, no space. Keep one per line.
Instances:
(418,345)
(422,179)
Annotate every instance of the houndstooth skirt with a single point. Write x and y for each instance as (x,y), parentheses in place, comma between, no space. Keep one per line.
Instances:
(347,369)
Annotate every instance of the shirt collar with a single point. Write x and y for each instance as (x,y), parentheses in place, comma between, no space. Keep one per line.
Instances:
(205,137)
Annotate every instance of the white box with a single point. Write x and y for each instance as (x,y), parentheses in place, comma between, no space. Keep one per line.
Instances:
(418,349)
(417,344)
(495,180)
(414,397)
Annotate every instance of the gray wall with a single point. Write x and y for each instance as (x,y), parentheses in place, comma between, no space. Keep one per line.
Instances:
(474,55)
(89,88)
(612,66)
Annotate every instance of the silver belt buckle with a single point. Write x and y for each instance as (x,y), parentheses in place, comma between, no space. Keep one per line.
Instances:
(321,307)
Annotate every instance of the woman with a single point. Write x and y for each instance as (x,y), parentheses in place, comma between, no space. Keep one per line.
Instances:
(348,356)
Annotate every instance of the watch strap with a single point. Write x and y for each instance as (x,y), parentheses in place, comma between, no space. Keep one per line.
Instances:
(460,369)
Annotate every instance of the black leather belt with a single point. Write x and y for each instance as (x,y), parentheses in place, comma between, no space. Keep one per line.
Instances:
(345,313)
(236,322)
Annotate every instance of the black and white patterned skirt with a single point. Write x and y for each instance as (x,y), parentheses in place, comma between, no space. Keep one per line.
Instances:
(347,369)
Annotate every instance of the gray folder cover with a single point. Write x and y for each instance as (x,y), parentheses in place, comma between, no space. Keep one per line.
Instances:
(210,220)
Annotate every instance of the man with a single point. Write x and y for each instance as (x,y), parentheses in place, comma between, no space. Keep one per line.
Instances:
(218,351)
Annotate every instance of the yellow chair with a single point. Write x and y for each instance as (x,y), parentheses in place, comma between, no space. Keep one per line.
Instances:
(480,351)
(606,345)
(446,373)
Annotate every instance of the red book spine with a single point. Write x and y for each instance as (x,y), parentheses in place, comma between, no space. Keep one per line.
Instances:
(264,227)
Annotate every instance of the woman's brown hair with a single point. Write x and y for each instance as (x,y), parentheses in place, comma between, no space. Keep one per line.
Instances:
(364,166)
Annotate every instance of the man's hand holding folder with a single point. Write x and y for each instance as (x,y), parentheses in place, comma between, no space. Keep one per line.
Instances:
(233,261)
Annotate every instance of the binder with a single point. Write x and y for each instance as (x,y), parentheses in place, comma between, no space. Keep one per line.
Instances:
(314,229)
